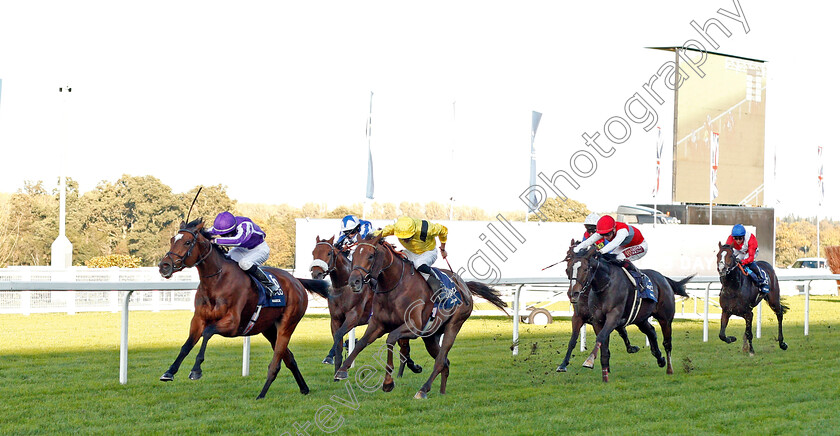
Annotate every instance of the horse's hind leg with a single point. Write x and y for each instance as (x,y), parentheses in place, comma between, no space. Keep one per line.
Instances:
(748,345)
(195,373)
(284,332)
(775,302)
(291,363)
(665,325)
(724,321)
(577,323)
(441,360)
(196,326)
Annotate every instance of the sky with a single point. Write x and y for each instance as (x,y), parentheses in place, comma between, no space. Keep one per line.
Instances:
(272,98)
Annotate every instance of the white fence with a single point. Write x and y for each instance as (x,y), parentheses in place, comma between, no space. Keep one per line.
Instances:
(709,287)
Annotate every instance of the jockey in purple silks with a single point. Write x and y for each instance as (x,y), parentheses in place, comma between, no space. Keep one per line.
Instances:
(249,247)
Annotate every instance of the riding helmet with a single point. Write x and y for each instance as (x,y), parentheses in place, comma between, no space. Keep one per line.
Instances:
(739,230)
(404,227)
(349,223)
(224,223)
(605,225)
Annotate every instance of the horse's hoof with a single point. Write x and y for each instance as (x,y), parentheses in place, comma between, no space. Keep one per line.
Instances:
(589,363)
(195,375)
(730,339)
(661,362)
(340,375)
(752,353)
(305,391)
(561,368)
(420,395)
(388,387)
(632,349)
(167,377)
(783,345)
(328,361)
(417,369)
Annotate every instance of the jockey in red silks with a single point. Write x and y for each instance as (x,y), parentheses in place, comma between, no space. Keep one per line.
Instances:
(626,243)
(591,224)
(744,247)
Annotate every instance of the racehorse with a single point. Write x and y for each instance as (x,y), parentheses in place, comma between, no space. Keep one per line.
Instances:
(226,302)
(404,305)
(739,295)
(612,302)
(347,309)
(581,315)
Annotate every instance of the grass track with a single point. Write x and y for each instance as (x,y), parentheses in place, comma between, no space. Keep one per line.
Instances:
(59,374)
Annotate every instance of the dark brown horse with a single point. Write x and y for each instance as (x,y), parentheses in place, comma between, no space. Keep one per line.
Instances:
(612,303)
(347,309)
(739,295)
(226,303)
(403,305)
(581,315)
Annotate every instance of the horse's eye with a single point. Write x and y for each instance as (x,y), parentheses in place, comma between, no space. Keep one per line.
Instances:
(370,257)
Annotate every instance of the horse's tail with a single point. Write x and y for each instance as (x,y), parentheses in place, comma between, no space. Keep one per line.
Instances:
(489,294)
(320,287)
(679,287)
(784,307)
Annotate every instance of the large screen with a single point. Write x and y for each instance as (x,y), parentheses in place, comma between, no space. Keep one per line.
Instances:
(728,101)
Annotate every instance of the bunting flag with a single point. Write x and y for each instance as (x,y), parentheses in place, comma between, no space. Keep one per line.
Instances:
(369,188)
(660,143)
(532,181)
(715,154)
(820,179)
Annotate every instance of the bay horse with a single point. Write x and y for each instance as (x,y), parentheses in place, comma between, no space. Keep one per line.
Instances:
(403,305)
(226,302)
(348,309)
(581,314)
(612,303)
(739,295)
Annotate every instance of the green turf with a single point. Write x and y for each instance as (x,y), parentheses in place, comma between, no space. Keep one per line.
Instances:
(59,374)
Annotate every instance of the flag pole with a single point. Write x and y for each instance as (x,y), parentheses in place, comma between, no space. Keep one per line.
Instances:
(452,163)
(369,185)
(532,181)
(659,145)
(821,185)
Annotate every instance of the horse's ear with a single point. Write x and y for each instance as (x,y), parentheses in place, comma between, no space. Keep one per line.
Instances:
(719,245)
(200,224)
(183,224)
(331,239)
(317,238)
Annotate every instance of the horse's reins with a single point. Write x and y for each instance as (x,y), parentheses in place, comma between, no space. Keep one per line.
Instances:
(183,259)
(368,276)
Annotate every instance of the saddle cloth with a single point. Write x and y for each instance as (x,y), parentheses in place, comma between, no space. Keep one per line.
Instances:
(448,297)
(646,290)
(278,300)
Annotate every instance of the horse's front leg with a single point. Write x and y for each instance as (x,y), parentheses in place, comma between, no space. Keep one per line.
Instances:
(623,333)
(724,321)
(196,327)
(209,331)
(602,340)
(373,332)
(351,320)
(747,345)
(577,323)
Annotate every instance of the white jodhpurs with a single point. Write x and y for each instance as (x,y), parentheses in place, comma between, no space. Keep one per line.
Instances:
(247,258)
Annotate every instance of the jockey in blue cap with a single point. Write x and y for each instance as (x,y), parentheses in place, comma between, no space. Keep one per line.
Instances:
(249,247)
(744,247)
(352,231)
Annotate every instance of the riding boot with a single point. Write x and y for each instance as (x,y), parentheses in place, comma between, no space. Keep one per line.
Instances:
(758,278)
(641,280)
(434,283)
(272,286)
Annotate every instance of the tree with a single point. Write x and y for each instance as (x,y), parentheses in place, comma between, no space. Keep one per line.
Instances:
(212,201)
(36,226)
(556,210)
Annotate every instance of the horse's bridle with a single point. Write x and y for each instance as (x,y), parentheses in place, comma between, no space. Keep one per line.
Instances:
(728,266)
(331,265)
(589,277)
(368,277)
(182,260)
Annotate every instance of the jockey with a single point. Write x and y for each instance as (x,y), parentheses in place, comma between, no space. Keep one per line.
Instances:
(625,242)
(590,223)
(249,247)
(418,238)
(352,231)
(745,253)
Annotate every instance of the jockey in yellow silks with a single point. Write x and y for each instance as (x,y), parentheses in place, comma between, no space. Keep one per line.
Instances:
(418,239)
